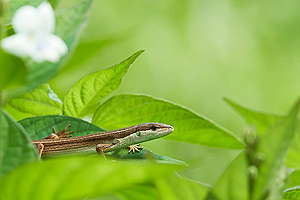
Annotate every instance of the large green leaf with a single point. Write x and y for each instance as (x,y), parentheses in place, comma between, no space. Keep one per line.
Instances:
(15,146)
(273,149)
(262,122)
(235,176)
(126,110)
(12,71)
(40,127)
(88,91)
(141,191)
(69,22)
(77,178)
(166,188)
(40,101)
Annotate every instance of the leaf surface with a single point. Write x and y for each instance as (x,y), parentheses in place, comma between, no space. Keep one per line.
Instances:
(87,92)
(40,101)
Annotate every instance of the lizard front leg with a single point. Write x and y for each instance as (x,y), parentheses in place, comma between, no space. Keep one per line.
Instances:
(134,148)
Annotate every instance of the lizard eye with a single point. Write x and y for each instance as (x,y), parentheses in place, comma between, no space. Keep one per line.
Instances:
(153,128)
(138,133)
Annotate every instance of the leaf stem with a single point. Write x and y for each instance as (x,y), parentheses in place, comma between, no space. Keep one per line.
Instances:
(1,99)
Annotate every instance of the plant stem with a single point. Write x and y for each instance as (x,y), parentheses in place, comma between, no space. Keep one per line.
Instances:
(251,141)
(2,11)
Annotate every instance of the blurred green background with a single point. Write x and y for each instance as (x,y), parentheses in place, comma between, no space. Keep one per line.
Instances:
(197,52)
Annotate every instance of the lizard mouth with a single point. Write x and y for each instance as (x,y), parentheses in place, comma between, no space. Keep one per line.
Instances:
(166,130)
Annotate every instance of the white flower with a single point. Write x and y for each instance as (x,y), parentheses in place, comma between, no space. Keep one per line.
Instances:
(34,36)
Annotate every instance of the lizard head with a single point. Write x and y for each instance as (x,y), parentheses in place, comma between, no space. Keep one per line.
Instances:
(150,131)
(142,133)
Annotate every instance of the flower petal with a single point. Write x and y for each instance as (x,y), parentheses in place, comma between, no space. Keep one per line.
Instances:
(26,20)
(47,16)
(54,48)
(18,44)
(33,20)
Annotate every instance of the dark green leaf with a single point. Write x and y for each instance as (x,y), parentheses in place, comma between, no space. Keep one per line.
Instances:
(15,146)
(40,127)
(76,178)
(40,101)
(126,110)
(88,91)
(273,151)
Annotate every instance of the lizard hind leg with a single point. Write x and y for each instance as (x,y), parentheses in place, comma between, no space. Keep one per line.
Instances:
(102,148)
(65,133)
(40,148)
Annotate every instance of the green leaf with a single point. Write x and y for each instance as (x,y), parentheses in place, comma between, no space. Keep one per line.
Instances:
(126,110)
(177,188)
(69,23)
(77,178)
(292,193)
(40,127)
(274,149)
(15,146)
(235,176)
(88,91)
(40,101)
(262,122)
